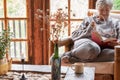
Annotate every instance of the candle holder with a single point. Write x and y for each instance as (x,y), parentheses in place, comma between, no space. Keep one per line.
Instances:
(23,76)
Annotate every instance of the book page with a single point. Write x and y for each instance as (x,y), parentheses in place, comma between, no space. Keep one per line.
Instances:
(96,37)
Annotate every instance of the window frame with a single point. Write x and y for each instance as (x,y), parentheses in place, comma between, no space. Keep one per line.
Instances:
(6,20)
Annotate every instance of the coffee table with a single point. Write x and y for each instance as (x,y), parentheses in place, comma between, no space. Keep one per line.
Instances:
(88,74)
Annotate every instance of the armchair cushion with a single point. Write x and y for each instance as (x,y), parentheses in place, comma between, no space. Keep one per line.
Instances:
(105,55)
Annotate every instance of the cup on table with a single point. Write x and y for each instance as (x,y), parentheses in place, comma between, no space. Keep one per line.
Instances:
(78,67)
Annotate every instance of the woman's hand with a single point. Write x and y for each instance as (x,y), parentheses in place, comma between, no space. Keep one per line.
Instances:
(112,42)
(93,25)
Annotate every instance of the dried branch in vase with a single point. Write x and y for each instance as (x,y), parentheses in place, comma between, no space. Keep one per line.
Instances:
(59,22)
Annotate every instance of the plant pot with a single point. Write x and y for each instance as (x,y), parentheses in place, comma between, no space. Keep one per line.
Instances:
(10,64)
(3,66)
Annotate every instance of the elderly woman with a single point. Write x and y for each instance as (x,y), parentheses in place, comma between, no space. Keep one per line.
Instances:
(85,49)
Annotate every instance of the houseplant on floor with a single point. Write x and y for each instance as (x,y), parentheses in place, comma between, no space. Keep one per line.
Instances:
(5,40)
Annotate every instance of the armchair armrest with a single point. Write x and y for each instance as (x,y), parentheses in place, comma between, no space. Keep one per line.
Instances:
(67,42)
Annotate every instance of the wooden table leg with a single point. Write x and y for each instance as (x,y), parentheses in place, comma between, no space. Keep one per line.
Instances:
(117,63)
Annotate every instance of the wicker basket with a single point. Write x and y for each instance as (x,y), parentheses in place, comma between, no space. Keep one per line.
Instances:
(3,66)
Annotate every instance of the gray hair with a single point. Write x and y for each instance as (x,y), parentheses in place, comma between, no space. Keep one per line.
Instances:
(102,3)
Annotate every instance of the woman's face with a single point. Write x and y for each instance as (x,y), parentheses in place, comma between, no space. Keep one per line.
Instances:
(104,12)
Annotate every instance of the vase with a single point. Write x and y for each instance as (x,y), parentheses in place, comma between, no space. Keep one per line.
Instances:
(56,64)
(3,66)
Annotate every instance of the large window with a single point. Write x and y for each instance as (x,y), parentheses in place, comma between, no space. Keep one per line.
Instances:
(76,10)
(13,14)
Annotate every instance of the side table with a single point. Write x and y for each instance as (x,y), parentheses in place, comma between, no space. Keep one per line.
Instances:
(88,74)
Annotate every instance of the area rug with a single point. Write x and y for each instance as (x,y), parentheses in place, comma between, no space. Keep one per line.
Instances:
(28,76)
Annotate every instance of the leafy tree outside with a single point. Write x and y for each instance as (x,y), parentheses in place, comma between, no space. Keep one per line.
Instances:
(116,5)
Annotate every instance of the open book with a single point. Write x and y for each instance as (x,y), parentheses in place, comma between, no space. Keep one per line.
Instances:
(102,41)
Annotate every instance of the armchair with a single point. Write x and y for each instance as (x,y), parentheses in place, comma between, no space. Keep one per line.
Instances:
(103,70)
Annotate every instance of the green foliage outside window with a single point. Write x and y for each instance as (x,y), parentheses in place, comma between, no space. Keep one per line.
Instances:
(116,5)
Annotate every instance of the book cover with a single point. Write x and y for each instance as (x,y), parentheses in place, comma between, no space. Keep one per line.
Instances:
(96,37)
(102,41)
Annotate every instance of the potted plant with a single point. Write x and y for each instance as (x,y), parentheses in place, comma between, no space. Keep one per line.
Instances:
(5,40)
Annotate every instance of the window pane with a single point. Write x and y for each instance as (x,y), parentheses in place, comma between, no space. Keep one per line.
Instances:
(1,9)
(18,27)
(16,8)
(75,25)
(55,4)
(62,34)
(1,25)
(17,48)
(79,9)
